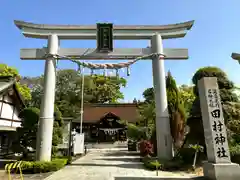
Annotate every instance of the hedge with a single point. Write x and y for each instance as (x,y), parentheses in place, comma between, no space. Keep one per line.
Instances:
(151,164)
(32,167)
(154,164)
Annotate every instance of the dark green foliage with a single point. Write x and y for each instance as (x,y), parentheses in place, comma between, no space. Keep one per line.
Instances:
(135,133)
(148,95)
(209,71)
(176,111)
(147,109)
(57,130)
(27,134)
(186,155)
(147,114)
(151,164)
(97,89)
(235,153)
(154,141)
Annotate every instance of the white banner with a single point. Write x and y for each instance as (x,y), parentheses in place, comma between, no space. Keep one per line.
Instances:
(110,131)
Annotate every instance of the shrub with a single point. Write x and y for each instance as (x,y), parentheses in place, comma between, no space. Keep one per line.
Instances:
(134,133)
(146,148)
(32,167)
(235,154)
(154,164)
(151,164)
(69,158)
(28,131)
(173,165)
(186,155)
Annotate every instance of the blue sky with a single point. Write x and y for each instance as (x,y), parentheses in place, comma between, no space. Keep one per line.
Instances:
(214,36)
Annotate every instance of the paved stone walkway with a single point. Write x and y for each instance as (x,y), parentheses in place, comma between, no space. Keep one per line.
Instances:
(104,164)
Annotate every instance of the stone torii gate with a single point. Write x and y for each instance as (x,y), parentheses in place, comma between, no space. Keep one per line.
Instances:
(55,33)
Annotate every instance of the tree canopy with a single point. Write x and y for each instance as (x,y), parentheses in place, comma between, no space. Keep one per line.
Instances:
(97,89)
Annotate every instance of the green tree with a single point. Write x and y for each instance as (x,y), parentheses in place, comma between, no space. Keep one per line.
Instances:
(147,114)
(175,108)
(148,95)
(176,111)
(6,70)
(27,133)
(146,109)
(135,133)
(106,89)
(187,97)
(97,89)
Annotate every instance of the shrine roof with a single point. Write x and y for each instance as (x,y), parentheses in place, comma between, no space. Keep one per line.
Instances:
(6,84)
(94,112)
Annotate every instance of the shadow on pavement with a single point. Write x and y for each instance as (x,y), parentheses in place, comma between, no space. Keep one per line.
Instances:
(121,153)
(125,159)
(129,166)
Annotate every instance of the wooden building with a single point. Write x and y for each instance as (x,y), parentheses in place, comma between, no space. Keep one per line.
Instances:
(11,104)
(104,122)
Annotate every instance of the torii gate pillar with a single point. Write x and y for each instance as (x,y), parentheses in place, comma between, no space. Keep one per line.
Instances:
(163,133)
(46,119)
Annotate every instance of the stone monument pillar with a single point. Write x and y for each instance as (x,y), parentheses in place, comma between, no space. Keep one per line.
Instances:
(219,165)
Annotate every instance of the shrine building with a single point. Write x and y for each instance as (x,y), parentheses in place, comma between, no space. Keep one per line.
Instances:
(105,122)
(11,103)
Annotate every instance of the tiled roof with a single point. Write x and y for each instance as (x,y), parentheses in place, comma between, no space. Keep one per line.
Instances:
(94,112)
(6,82)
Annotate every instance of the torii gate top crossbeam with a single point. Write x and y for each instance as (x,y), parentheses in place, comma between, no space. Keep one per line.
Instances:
(129,32)
(236,56)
